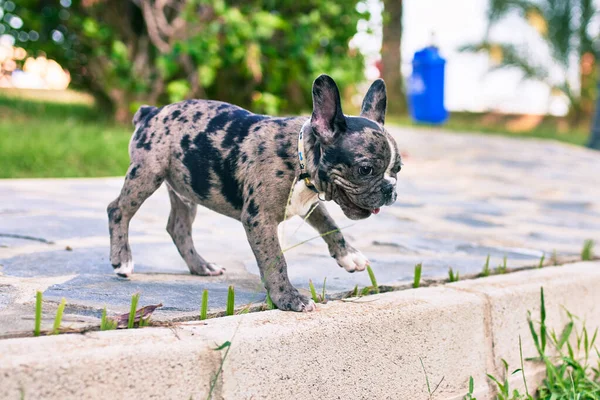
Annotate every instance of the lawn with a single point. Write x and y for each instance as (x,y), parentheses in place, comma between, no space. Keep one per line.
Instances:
(52,139)
(58,135)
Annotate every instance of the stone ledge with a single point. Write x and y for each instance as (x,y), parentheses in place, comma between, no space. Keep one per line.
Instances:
(369,348)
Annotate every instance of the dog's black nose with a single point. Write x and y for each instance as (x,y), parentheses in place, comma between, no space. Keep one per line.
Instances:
(387,190)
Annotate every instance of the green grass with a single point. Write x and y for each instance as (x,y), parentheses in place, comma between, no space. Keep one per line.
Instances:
(570,374)
(323,294)
(313,291)
(417,278)
(476,123)
(452,276)
(107,324)
(59,315)
(502,269)
(541,264)
(587,253)
(486,267)
(38,314)
(373,279)
(134,302)
(204,305)
(41,139)
(230,301)
(270,305)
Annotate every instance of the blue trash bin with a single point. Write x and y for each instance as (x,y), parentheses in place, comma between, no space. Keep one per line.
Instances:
(426,87)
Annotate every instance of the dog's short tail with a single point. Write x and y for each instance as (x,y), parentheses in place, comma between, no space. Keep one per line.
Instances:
(142,113)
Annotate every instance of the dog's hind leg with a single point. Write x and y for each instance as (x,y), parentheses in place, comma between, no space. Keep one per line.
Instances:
(140,182)
(179,227)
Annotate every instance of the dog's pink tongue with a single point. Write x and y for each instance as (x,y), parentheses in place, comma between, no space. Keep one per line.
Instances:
(375,211)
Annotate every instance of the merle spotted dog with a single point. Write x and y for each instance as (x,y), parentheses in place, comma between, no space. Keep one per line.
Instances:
(243,165)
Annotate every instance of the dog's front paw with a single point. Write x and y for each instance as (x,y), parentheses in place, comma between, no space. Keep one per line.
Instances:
(124,270)
(353,260)
(291,300)
(208,269)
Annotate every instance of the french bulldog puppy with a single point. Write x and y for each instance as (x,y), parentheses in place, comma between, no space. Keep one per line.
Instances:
(244,165)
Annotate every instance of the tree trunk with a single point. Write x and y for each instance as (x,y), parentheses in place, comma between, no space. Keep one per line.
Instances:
(390,56)
(594,141)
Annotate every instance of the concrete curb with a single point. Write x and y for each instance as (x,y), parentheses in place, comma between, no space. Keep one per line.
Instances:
(365,349)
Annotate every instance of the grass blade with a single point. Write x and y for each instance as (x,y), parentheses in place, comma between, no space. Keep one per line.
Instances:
(542,321)
(486,268)
(355,291)
(542,261)
(417,279)
(587,253)
(59,315)
(134,302)
(270,305)
(323,293)
(204,305)
(38,313)
(313,291)
(373,279)
(230,301)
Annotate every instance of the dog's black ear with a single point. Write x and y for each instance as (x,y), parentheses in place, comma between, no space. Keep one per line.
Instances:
(375,102)
(327,120)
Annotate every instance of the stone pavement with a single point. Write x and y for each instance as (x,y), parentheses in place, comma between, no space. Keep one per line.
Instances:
(460,198)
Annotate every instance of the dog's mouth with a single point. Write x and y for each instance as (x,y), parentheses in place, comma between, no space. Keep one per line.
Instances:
(351,209)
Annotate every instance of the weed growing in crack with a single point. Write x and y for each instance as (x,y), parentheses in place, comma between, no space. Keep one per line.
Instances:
(417,278)
(38,313)
(453,277)
(502,269)
(59,315)
(204,305)
(587,253)
(270,305)
(313,292)
(132,309)
(374,284)
(569,373)
(486,268)
(230,301)
(107,324)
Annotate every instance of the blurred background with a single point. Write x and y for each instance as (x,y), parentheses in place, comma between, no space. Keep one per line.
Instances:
(73,72)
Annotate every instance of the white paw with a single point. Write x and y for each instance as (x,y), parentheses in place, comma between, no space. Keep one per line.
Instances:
(311,306)
(125,269)
(215,269)
(353,261)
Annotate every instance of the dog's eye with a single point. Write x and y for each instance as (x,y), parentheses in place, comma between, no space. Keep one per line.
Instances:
(364,171)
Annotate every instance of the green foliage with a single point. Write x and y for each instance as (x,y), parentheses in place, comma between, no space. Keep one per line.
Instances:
(417,278)
(564,28)
(569,373)
(453,277)
(71,140)
(486,267)
(541,264)
(132,309)
(204,305)
(270,305)
(259,54)
(107,324)
(587,253)
(230,301)
(374,284)
(313,292)
(323,294)
(503,268)
(58,317)
(38,313)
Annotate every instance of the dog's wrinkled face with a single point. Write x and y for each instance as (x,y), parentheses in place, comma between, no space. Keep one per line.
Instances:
(356,159)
